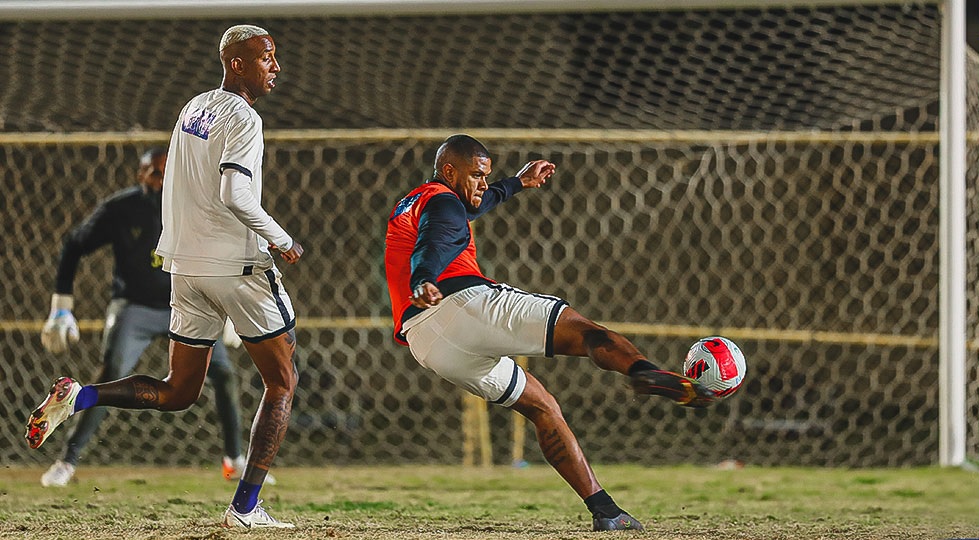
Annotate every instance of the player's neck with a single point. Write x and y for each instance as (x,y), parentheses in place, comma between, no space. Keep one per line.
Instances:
(238,89)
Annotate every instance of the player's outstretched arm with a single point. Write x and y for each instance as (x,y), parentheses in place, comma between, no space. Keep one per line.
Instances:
(535,173)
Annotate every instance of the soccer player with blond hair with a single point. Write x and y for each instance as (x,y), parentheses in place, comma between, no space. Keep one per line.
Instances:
(139,312)
(217,244)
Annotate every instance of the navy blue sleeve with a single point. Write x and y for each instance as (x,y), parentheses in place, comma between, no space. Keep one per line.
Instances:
(93,233)
(443,233)
(496,193)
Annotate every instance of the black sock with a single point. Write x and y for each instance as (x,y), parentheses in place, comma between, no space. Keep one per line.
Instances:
(601,505)
(642,365)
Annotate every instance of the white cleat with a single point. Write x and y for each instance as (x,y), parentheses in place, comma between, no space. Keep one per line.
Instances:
(231,469)
(55,409)
(258,518)
(58,475)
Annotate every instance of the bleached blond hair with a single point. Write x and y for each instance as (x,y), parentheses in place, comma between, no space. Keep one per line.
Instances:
(239,33)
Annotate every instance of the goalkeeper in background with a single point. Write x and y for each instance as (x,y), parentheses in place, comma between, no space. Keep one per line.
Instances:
(138,313)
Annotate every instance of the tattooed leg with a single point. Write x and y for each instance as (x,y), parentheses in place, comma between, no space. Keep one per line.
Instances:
(557,442)
(268,432)
(133,392)
(276,361)
(179,390)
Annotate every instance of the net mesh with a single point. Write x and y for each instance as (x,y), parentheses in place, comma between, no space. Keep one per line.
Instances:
(796,212)
(843,68)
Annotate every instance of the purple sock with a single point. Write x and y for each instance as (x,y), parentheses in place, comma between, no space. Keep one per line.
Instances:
(246,497)
(86,398)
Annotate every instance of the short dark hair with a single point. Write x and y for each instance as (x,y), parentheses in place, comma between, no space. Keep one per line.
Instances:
(465,146)
(459,147)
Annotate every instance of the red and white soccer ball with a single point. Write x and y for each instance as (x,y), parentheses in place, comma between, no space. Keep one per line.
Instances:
(717,363)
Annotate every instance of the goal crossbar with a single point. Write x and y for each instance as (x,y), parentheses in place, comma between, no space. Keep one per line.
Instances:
(517,135)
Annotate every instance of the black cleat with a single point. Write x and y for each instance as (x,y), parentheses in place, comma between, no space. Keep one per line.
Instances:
(621,522)
(683,390)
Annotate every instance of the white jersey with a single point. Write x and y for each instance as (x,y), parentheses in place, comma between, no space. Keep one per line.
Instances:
(217,130)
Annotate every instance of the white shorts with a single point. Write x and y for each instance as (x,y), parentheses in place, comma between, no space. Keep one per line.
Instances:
(468,337)
(256,303)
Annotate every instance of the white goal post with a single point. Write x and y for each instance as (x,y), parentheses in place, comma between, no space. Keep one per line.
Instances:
(952,331)
(953,346)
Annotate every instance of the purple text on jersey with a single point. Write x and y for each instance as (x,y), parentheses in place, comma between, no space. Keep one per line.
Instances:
(198,123)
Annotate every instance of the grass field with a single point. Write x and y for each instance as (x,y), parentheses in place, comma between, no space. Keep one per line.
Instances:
(424,502)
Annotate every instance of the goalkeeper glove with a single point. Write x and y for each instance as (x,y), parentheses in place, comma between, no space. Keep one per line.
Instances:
(61,327)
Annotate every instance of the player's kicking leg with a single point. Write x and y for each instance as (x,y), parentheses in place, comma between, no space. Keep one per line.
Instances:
(178,391)
(497,321)
(574,335)
(561,450)
(129,330)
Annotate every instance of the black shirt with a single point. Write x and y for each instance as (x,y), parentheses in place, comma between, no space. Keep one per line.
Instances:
(130,221)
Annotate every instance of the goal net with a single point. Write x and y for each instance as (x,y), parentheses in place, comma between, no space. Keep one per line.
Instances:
(770,175)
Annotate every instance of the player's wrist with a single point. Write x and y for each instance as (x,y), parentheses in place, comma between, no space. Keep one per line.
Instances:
(419,289)
(516,183)
(286,246)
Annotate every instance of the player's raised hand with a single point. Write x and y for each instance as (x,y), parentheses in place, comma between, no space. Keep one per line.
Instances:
(535,173)
(61,326)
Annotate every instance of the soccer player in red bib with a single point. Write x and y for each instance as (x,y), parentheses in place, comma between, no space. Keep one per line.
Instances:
(464,326)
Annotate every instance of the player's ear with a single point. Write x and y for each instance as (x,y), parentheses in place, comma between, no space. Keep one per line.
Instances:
(448,172)
(237,65)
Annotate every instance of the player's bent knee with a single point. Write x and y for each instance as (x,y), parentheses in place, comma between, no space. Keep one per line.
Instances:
(281,383)
(179,401)
(281,380)
(550,407)
(175,405)
(538,405)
